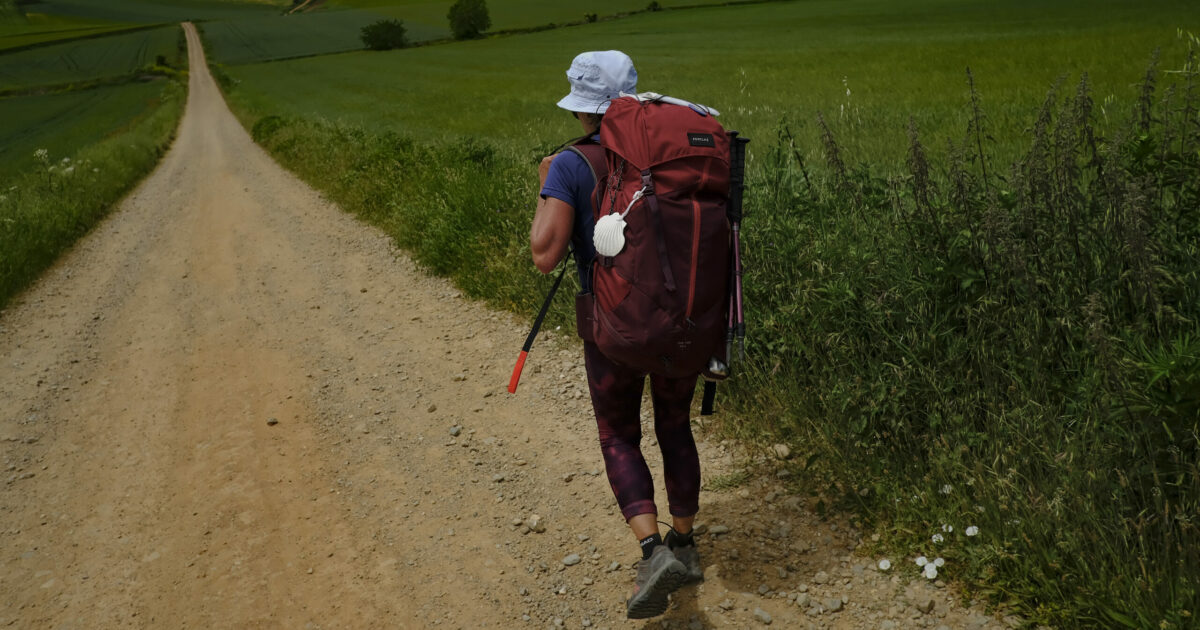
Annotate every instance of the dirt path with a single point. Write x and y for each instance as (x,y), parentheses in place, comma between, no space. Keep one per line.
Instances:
(234,406)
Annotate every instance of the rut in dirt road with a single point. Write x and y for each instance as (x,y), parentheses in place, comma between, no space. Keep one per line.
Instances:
(234,406)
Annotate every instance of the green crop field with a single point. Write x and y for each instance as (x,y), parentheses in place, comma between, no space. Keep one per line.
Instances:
(868,66)
(158,11)
(87,59)
(55,20)
(66,122)
(336,28)
(513,14)
(43,29)
(303,34)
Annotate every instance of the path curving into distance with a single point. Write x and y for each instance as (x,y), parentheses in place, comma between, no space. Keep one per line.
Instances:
(234,406)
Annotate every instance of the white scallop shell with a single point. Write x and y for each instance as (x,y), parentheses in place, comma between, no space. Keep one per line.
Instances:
(609,235)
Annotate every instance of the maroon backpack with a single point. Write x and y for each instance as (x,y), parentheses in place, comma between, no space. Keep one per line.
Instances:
(660,303)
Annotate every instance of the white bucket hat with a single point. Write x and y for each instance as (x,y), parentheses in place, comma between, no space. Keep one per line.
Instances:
(596,78)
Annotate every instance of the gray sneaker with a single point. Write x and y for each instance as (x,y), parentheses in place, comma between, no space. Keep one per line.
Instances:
(688,555)
(657,577)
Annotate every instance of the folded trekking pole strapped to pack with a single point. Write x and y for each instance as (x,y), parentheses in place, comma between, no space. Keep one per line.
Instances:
(736,329)
(737,181)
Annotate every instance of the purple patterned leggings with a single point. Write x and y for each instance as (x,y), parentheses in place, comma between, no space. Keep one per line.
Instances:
(617,399)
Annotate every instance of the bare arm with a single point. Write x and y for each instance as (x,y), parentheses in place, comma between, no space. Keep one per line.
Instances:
(552,225)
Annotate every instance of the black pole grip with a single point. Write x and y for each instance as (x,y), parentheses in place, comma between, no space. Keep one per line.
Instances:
(737,175)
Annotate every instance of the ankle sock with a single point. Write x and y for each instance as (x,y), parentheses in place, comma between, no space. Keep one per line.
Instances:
(649,543)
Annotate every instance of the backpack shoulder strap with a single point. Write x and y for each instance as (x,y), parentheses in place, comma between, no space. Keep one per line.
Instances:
(593,154)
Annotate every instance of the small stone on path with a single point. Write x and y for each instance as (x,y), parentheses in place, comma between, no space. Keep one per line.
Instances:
(571,560)
(762,616)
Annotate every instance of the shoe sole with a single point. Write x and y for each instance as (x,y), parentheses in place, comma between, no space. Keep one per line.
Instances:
(652,600)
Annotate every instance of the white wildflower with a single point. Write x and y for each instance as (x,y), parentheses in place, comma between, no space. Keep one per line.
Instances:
(938,562)
(921,561)
(68,170)
(66,160)
(949,529)
(947,489)
(972,530)
(931,571)
(41,155)
(885,564)
(979,508)
(938,539)
(95,170)
(3,198)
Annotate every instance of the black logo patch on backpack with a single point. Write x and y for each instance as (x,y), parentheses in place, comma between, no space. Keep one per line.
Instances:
(701,140)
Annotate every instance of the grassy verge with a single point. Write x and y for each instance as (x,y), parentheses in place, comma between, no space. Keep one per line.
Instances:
(46,207)
(991,360)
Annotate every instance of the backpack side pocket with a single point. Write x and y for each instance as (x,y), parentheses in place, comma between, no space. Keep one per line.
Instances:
(584,317)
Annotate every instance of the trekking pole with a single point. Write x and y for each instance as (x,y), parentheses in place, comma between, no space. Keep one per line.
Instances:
(537,325)
(737,179)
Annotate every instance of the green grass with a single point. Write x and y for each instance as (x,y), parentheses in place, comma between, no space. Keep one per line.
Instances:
(87,59)
(43,210)
(84,119)
(757,64)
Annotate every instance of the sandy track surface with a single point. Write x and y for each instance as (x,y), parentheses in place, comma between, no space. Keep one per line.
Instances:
(234,406)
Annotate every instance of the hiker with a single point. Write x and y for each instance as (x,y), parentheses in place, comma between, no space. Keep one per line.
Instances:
(564,216)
